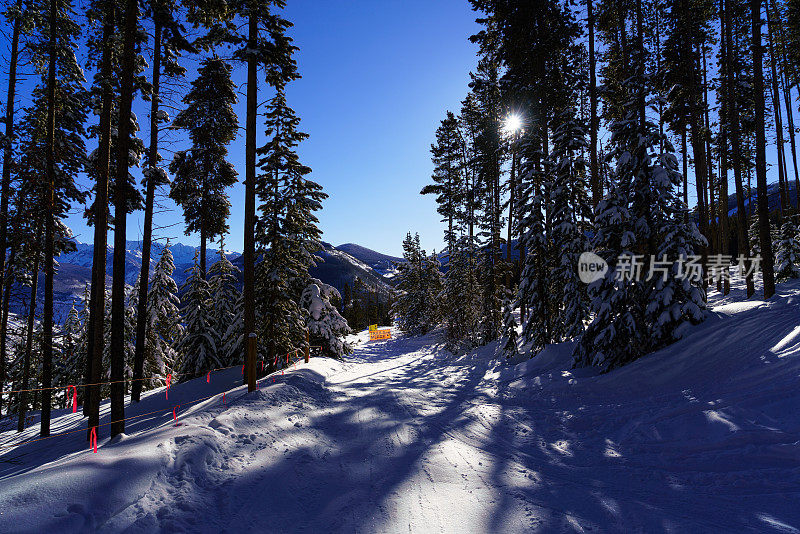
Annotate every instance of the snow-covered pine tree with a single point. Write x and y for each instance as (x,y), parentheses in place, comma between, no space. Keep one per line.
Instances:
(569,209)
(326,326)
(412,307)
(287,232)
(787,253)
(509,332)
(164,328)
(640,218)
(755,240)
(532,294)
(461,296)
(72,335)
(447,185)
(225,308)
(233,347)
(197,350)
(202,173)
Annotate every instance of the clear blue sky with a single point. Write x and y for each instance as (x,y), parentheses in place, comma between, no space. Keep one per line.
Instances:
(377,77)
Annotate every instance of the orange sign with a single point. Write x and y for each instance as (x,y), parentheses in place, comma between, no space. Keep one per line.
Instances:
(380,334)
(373,327)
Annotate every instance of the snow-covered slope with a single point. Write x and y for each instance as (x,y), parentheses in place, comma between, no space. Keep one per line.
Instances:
(384,264)
(703,436)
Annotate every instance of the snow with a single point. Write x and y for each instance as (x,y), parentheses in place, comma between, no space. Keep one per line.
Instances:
(703,436)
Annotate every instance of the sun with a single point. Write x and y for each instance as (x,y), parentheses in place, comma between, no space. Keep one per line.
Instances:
(513,123)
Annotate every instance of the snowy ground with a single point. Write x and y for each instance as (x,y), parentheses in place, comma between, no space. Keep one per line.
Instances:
(404,437)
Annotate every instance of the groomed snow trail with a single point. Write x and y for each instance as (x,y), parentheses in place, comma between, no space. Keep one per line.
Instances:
(703,436)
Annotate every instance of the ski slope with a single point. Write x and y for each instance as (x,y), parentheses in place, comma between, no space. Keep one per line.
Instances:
(703,436)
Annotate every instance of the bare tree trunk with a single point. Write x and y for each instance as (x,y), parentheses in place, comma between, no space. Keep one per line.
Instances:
(776,105)
(248,267)
(147,238)
(26,362)
(787,100)
(47,322)
(120,223)
(5,191)
(767,261)
(724,236)
(5,303)
(596,182)
(97,309)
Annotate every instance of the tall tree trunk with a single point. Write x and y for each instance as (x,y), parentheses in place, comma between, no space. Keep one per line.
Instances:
(120,222)
(5,189)
(787,100)
(767,262)
(5,304)
(724,234)
(97,309)
(248,268)
(147,238)
(685,161)
(26,361)
(596,182)
(776,105)
(47,322)
(736,147)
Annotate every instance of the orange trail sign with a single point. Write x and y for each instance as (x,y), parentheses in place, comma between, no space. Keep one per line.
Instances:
(375,335)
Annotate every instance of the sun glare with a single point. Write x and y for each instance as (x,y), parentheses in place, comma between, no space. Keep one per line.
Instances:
(513,123)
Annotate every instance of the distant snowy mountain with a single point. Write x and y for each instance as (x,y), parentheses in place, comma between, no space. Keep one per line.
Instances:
(382,263)
(75,269)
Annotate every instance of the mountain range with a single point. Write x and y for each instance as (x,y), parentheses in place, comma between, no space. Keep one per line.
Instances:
(339,266)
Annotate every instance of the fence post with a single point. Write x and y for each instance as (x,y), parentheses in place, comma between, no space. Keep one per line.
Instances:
(308,347)
(251,362)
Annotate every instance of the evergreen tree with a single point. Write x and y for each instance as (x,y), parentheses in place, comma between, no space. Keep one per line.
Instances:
(640,218)
(417,306)
(164,328)
(447,185)
(569,209)
(287,232)
(202,173)
(325,325)
(225,311)
(197,350)
(509,327)
(787,253)
(168,43)
(56,148)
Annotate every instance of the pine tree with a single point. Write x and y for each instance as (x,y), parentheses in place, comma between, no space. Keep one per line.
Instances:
(266,46)
(787,253)
(640,218)
(287,232)
(56,149)
(197,350)
(168,43)
(417,306)
(509,327)
(461,296)
(164,328)
(446,155)
(226,306)
(569,208)
(325,325)
(202,173)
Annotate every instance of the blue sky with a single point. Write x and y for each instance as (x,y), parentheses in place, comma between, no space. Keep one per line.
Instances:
(377,77)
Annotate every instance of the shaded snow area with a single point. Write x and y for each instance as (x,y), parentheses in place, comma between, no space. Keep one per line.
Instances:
(703,436)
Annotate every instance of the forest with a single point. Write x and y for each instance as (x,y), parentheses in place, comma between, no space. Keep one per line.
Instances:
(614,128)
(124,339)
